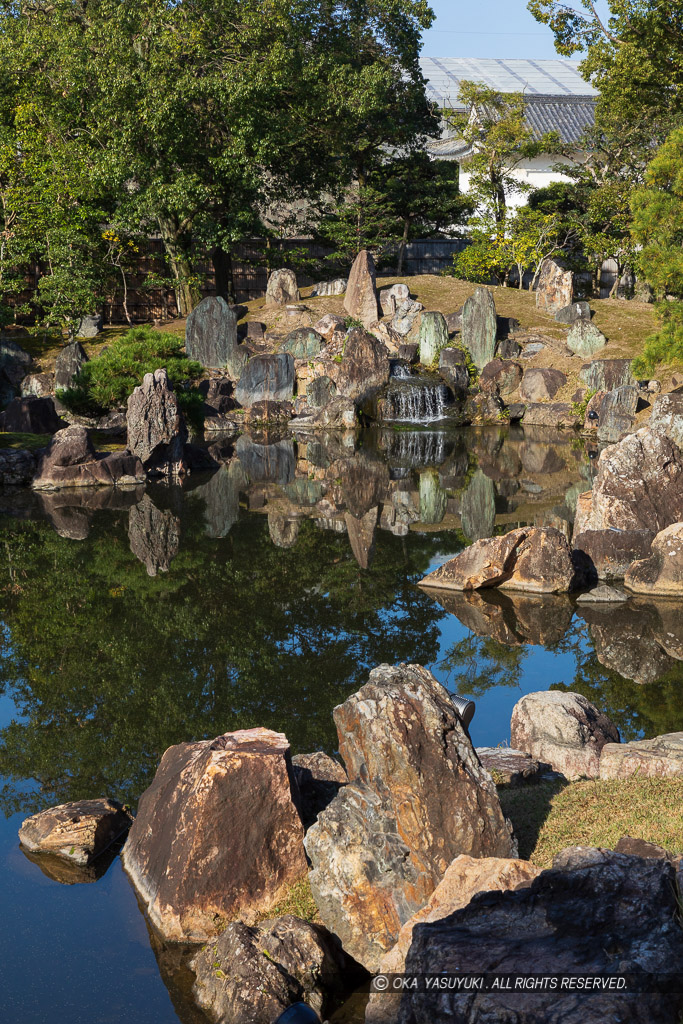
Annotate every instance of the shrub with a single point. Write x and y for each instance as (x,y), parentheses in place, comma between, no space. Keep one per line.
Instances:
(479,263)
(107,381)
(666,346)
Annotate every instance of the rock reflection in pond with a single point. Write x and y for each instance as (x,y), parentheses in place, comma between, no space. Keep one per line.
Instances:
(221,496)
(362,536)
(71,510)
(58,869)
(433,498)
(641,640)
(511,619)
(478,508)
(283,531)
(154,535)
(275,462)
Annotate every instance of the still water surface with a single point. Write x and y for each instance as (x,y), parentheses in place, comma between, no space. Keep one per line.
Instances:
(263,595)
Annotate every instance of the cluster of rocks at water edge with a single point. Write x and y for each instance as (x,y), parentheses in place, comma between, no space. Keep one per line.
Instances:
(407,854)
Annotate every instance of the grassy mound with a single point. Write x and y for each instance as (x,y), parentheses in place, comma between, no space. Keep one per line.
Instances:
(107,381)
(550,816)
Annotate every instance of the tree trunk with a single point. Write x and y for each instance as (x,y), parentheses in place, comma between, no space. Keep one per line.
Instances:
(402,246)
(181,268)
(222,265)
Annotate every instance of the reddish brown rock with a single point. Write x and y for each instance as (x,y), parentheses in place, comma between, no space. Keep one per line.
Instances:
(217,835)
(364,367)
(535,559)
(562,729)
(638,486)
(464,878)
(360,300)
(71,461)
(268,412)
(418,798)
(555,287)
(609,553)
(319,778)
(509,767)
(78,831)
(658,758)
(661,573)
(541,385)
(500,377)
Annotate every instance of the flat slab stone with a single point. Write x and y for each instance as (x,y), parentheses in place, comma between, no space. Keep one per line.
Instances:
(660,757)
(77,831)
(508,766)
(211,336)
(602,595)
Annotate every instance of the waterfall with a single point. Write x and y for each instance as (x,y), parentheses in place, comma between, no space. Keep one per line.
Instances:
(415,400)
(400,371)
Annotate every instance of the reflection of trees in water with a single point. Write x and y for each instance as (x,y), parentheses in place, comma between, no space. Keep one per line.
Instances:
(476,664)
(108,665)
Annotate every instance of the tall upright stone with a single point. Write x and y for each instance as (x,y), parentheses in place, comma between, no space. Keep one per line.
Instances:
(211,336)
(70,360)
(282,288)
(479,326)
(555,287)
(433,337)
(156,429)
(361,300)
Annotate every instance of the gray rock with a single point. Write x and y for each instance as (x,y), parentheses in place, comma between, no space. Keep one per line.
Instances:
(454,321)
(500,377)
(594,912)
(643,292)
(14,365)
(38,385)
(409,352)
(552,414)
(154,535)
(218,395)
(268,377)
(405,317)
(335,287)
(602,595)
(320,392)
(303,343)
(555,287)
(338,414)
(418,798)
(510,767)
(562,729)
(532,349)
(251,975)
(71,461)
(453,369)
(211,336)
(391,298)
(360,300)
(658,758)
(71,359)
(433,337)
(667,417)
(584,338)
(479,327)
(282,288)
(617,413)
(90,326)
(607,374)
(156,428)
(17,467)
(508,348)
(575,311)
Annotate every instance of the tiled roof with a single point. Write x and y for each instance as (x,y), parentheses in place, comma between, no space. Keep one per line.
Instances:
(556,77)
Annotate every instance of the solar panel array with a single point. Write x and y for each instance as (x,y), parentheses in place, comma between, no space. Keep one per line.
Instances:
(556,77)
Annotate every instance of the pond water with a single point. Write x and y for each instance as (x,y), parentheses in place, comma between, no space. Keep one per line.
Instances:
(263,595)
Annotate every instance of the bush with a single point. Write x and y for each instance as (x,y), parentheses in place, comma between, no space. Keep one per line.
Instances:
(479,263)
(107,381)
(667,345)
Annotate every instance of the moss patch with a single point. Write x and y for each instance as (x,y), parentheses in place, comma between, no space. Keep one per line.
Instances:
(298,901)
(550,816)
(30,441)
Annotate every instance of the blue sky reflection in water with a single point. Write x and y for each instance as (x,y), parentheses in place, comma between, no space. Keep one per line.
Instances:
(262,617)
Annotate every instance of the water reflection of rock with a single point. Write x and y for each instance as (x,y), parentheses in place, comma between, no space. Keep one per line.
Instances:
(71,510)
(511,619)
(362,536)
(59,869)
(478,507)
(275,463)
(284,532)
(221,497)
(641,640)
(154,535)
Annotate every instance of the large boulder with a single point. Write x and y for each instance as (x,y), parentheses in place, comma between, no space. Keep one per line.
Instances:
(658,758)
(607,374)
(282,289)
(252,974)
(555,287)
(562,729)
(360,300)
(69,362)
(17,467)
(31,416)
(90,326)
(667,417)
(479,327)
(595,913)
(573,312)
(535,559)
(78,831)
(364,368)
(418,798)
(607,554)
(217,834)
(335,287)
(391,298)
(71,461)
(464,878)
(14,365)
(157,433)
(303,343)
(584,338)
(617,413)
(154,535)
(266,378)
(211,336)
(661,573)
(558,415)
(433,337)
(38,385)
(541,385)
(638,485)
(500,377)
(453,368)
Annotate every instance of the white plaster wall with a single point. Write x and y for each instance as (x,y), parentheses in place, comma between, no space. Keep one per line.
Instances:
(536,173)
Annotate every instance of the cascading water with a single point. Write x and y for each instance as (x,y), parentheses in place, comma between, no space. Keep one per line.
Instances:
(415,400)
